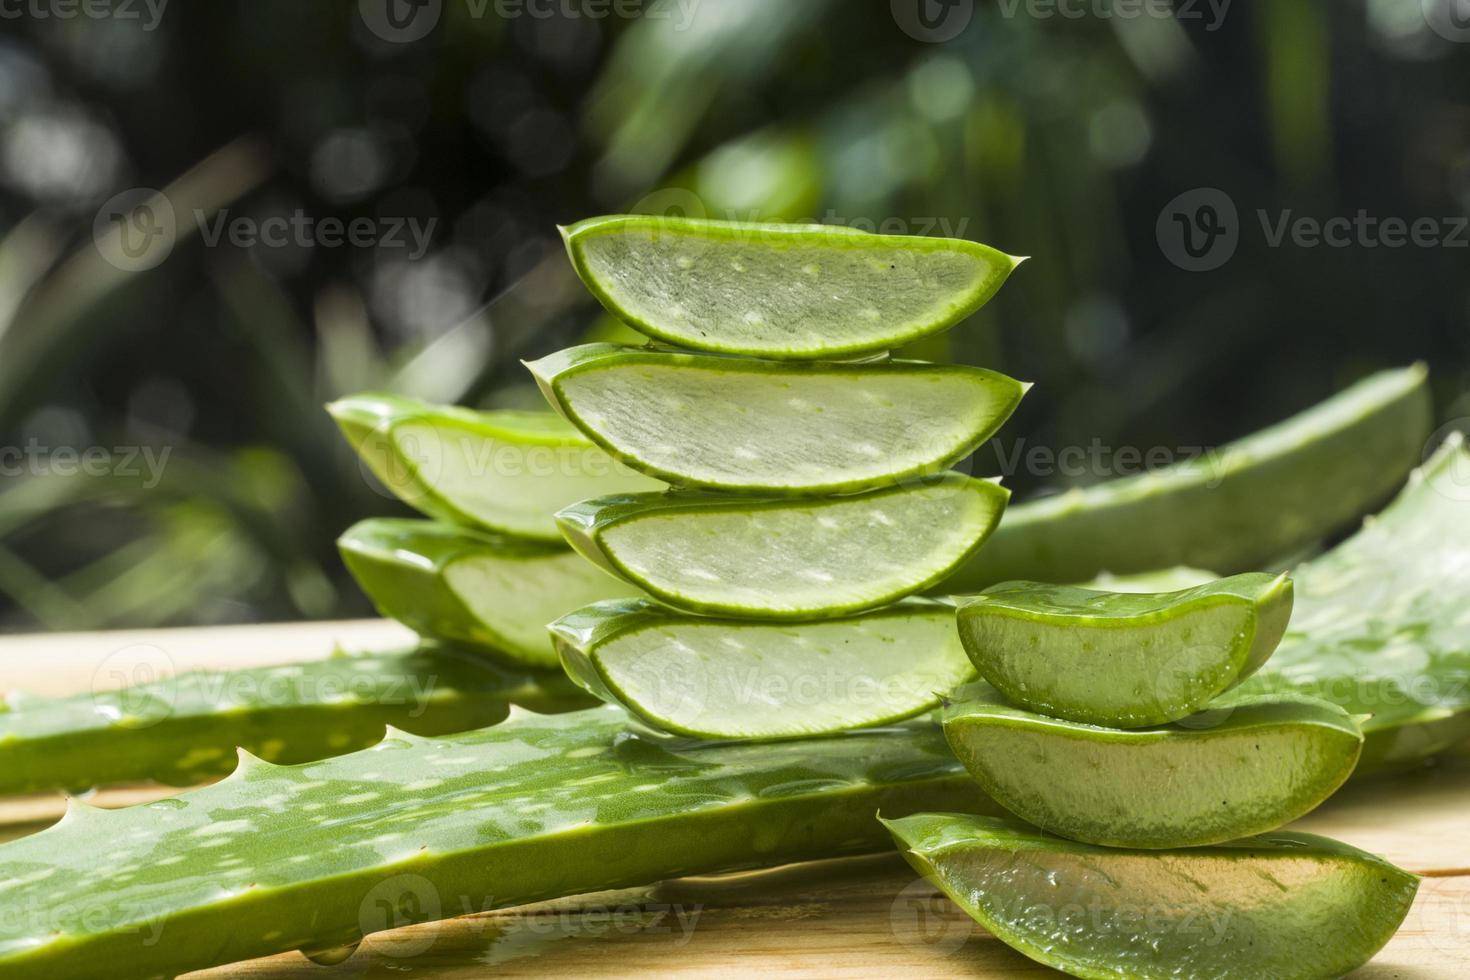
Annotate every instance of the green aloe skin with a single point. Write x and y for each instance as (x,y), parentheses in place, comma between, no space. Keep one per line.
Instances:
(1123,659)
(1281,905)
(791,558)
(719,678)
(489,593)
(503,471)
(780,291)
(183,730)
(742,425)
(312,857)
(1241,508)
(1246,769)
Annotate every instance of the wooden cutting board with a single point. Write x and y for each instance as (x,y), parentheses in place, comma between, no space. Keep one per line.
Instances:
(864,917)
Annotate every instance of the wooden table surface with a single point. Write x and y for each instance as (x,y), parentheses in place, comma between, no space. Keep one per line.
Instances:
(855,918)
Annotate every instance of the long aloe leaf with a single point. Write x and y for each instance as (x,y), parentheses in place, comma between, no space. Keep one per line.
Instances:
(280,858)
(185,729)
(1232,510)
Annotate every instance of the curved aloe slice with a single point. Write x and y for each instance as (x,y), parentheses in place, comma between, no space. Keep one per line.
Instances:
(781,291)
(1282,905)
(502,471)
(1234,509)
(1243,769)
(491,593)
(734,423)
(787,558)
(1124,659)
(280,858)
(712,678)
(185,729)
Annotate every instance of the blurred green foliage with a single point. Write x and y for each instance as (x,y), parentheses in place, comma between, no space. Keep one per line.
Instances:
(1055,136)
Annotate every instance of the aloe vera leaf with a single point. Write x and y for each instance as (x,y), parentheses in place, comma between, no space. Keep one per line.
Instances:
(1234,509)
(1123,659)
(501,471)
(753,426)
(491,593)
(185,729)
(1283,905)
(713,678)
(1243,769)
(1380,625)
(279,858)
(780,290)
(789,558)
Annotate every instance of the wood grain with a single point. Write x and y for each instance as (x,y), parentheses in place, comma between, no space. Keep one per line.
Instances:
(866,917)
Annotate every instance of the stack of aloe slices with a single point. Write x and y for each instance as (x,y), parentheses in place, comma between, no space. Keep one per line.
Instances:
(811,495)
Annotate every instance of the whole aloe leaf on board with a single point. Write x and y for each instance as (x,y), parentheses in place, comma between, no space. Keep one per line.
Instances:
(278,858)
(1234,509)
(185,729)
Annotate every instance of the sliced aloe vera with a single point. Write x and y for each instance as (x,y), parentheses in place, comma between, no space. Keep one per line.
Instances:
(1123,659)
(1234,509)
(780,290)
(185,729)
(280,858)
(500,471)
(787,558)
(1243,769)
(739,424)
(1381,624)
(1282,905)
(712,678)
(491,593)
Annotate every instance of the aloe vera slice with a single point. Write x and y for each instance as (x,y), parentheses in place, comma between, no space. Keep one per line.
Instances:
(1243,769)
(745,425)
(787,558)
(712,678)
(499,471)
(1283,905)
(279,858)
(185,729)
(1123,659)
(1380,625)
(780,290)
(1236,509)
(491,593)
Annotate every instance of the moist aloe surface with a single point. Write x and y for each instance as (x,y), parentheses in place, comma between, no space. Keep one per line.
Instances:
(1241,769)
(502,471)
(1125,660)
(492,593)
(780,291)
(713,678)
(787,558)
(1282,905)
(753,426)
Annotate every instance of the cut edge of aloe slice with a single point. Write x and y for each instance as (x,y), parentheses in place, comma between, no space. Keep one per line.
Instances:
(377,424)
(492,593)
(1225,777)
(990,399)
(944,312)
(1123,659)
(673,558)
(1103,913)
(709,678)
